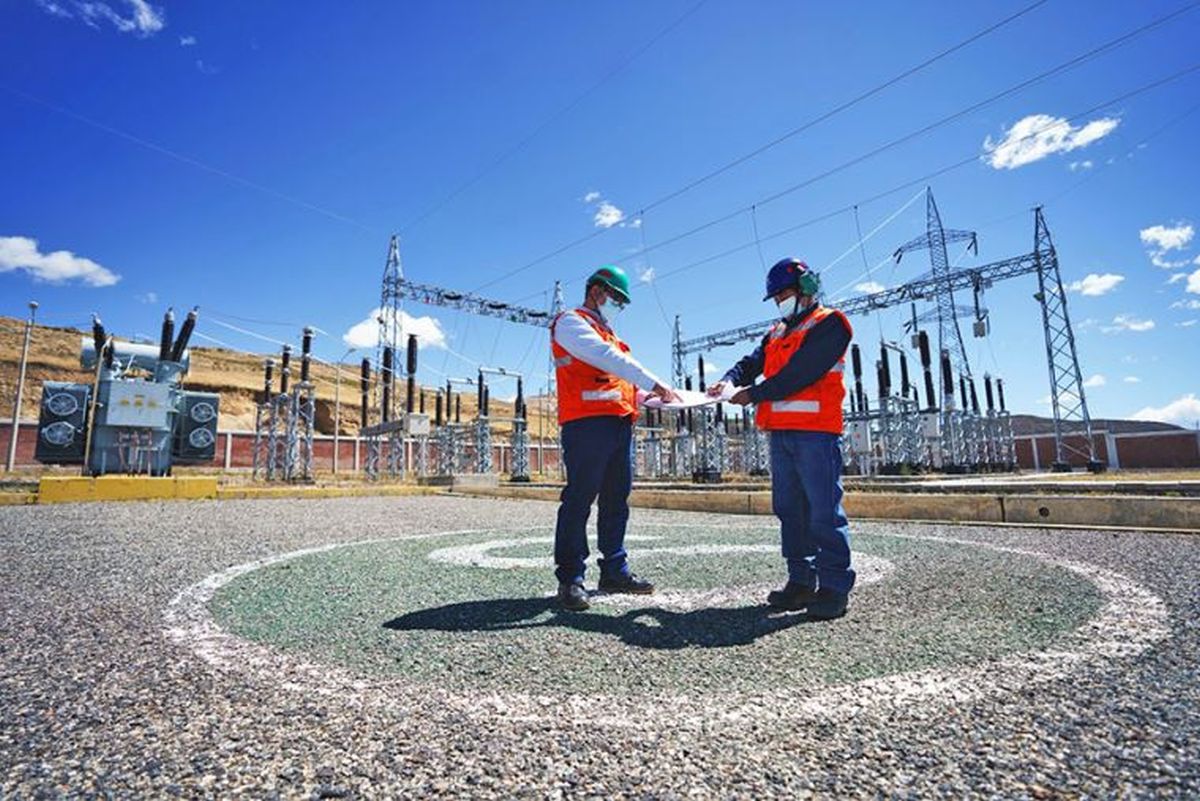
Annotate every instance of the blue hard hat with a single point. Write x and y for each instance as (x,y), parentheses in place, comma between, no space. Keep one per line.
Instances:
(791,272)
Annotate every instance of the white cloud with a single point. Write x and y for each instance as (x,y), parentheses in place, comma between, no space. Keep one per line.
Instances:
(59,267)
(1127,322)
(1037,136)
(591,197)
(1183,411)
(635,223)
(646,276)
(1190,304)
(187,41)
(365,334)
(869,287)
(139,17)
(1193,283)
(1096,380)
(1185,324)
(1095,285)
(1163,238)
(1176,278)
(206,68)
(607,215)
(1131,379)
(148,298)
(1086,164)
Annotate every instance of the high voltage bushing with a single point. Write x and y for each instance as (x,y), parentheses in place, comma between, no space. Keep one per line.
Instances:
(385,377)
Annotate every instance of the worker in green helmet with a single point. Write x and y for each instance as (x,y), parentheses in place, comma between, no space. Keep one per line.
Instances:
(598,387)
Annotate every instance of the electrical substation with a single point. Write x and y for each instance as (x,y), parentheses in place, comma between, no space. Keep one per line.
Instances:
(929,412)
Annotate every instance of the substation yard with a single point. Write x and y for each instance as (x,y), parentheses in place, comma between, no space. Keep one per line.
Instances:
(403,647)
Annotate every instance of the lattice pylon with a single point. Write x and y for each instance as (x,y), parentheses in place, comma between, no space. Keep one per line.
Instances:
(1067,397)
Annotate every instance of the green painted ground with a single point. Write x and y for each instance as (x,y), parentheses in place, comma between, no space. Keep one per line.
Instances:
(387,608)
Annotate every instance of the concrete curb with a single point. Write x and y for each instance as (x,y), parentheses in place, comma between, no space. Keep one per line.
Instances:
(1049,511)
(251,493)
(76,489)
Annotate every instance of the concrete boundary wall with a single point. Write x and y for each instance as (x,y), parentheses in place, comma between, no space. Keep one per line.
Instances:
(1107,511)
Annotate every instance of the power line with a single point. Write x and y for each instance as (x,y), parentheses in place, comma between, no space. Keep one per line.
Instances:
(185,159)
(844,106)
(438,205)
(923,179)
(782,138)
(1062,67)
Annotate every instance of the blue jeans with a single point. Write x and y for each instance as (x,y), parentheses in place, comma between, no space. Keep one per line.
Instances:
(806,496)
(599,461)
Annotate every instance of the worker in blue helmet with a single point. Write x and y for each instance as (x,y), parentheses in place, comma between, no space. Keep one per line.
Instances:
(799,401)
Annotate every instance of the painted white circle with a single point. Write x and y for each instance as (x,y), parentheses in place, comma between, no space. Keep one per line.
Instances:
(1132,620)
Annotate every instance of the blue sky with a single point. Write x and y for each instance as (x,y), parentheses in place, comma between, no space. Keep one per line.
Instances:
(253,158)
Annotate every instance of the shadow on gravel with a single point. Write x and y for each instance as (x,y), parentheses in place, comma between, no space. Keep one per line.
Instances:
(642,628)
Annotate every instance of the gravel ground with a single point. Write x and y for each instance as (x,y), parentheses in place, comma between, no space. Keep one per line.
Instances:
(98,698)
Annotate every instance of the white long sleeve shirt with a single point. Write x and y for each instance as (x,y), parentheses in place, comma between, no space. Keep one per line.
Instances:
(577,337)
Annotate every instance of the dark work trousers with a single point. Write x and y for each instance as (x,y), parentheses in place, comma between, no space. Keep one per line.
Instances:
(598,458)
(806,496)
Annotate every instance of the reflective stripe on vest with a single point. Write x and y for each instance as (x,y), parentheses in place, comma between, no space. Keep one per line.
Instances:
(795,406)
(601,394)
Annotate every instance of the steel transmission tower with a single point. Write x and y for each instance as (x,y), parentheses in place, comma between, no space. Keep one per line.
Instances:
(1066,379)
(935,240)
(390,326)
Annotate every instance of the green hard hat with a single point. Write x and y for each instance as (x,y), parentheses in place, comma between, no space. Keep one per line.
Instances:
(615,279)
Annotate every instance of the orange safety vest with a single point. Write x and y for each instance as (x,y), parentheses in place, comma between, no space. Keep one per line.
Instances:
(817,407)
(585,391)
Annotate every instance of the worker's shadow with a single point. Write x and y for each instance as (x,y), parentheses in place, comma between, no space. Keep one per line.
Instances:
(645,627)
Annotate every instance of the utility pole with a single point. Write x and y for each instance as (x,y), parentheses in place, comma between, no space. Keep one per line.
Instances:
(16,420)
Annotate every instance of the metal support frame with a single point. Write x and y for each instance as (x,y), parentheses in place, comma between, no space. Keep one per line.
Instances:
(1066,382)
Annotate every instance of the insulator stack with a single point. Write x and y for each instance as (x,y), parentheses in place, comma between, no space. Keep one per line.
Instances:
(167,337)
(411,365)
(700,373)
(885,373)
(385,411)
(691,421)
(962,392)
(479,393)
(486,409)
(185,334)
(905,384)
(421,404)
(285,369)
(306,341)
(457,408)
(856,364)
(268,379)
(947,376)
(974,396)
(987,391)
(1000,394)
(437,406)
(519,410)
(927,368)
(365,390)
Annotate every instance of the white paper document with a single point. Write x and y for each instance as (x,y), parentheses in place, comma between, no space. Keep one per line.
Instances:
(690,399)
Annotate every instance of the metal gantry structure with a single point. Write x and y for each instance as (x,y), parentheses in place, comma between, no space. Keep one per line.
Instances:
(960,435)
(284,421)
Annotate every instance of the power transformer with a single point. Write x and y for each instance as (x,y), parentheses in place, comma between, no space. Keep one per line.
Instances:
(134,418)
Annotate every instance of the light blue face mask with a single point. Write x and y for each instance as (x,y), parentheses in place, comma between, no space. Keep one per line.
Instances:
(789,307)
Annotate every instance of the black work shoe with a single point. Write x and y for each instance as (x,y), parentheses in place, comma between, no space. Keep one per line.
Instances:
(793,596)
(827,605)
(573,597)
(629,584)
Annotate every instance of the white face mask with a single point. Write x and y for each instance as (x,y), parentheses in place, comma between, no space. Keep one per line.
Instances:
(788,307)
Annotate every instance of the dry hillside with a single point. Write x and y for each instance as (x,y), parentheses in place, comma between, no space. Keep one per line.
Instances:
(237,376)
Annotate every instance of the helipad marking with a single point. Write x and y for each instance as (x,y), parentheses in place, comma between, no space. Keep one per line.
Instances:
(1132,621)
